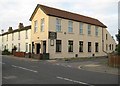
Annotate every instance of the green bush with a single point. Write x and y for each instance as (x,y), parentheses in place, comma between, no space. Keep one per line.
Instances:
(6,52)
(118,49)
(118,39)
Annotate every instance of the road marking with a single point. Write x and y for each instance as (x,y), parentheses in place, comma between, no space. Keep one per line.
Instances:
(92,65)
(67,79)
(57,64)
(64,65)
(10,77)
(25,68)
(2,63)
(69,66)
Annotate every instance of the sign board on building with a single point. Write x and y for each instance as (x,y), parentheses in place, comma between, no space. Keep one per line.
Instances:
(52,35)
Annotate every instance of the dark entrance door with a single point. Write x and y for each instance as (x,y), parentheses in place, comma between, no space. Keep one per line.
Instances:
(37,48)
(44,46)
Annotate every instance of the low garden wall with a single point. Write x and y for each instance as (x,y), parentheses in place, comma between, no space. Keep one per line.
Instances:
(114,60)
(19,54)
(41,56)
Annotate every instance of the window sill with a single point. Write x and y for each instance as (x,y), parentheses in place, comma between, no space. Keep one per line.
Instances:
(70,52)
(89,35)
(59,31)
(35,32)
(42,31)
(70,33)
(96,36)
(81,52)
(58,52)
(81,34)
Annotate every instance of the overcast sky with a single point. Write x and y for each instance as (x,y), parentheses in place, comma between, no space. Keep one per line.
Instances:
(13,12)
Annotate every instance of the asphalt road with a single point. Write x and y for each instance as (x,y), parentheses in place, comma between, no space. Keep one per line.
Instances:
(22,71)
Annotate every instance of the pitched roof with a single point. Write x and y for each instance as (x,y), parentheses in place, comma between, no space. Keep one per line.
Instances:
(17,30)
(67,15)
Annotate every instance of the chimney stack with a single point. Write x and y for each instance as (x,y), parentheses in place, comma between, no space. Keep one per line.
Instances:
(20,25)
(10,29)
(2,31)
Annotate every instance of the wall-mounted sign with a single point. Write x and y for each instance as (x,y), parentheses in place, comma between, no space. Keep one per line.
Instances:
(52,35)
(52,42)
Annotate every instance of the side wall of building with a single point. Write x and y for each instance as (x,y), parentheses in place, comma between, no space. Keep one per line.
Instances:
(39,36)
(64,36)
(109,42)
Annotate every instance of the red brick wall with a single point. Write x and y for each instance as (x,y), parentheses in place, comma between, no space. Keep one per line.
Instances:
(19,54)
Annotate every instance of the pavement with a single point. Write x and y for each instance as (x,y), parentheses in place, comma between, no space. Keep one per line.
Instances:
(17,70)
(94,64)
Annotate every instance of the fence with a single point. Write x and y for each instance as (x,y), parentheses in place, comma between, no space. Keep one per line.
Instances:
(114,60)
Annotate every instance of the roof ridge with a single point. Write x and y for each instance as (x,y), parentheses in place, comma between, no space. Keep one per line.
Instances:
(51,11)
(67,11)
(7,32)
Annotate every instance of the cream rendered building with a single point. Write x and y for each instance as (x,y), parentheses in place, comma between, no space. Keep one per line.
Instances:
(64,34)
(21,38)
(60,33)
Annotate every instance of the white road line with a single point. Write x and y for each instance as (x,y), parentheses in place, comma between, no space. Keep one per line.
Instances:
(57,64)
(69,66)
(2,63)
(63,65)
(9,77)
(25,68)
(67,79)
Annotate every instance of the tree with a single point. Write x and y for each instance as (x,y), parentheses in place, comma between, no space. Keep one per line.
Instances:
(118,39)
(118,36)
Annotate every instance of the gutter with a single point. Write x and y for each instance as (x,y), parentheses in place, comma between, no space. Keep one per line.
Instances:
(103,43)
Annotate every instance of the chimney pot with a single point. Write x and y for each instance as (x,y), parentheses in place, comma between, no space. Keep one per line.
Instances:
(20,25)
(10,29)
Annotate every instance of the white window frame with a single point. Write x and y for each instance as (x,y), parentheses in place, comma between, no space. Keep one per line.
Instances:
(26,34)
(7,37)
(58,25)
(96,31)
(12,36)
(42,24)
(70,26)
(19,47)
(26,47)
(89,29)
(12,45)
(81,28)
(19,35)
(35,26)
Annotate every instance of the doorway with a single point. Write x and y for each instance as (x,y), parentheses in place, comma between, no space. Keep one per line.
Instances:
(37,48)
(44,46)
